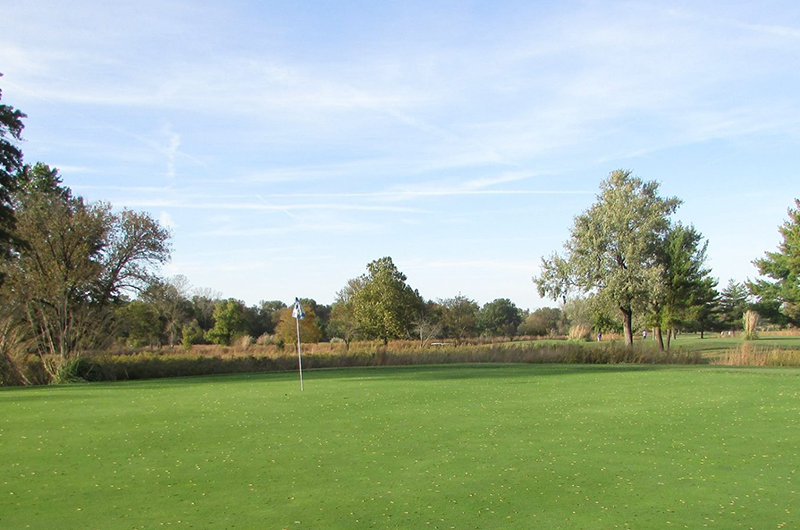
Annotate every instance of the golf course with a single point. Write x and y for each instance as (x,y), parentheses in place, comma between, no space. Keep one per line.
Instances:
(448,447)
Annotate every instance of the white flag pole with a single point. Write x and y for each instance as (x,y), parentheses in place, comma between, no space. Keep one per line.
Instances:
(299,356)
(298,314)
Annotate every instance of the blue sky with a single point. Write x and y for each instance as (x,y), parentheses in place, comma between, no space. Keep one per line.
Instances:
(287,144)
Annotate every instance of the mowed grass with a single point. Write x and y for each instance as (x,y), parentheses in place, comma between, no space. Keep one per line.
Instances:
(457,447)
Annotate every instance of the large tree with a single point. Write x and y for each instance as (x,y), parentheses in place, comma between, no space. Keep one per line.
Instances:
(343,323)
(229,322)
(459,317)
(500,317)
(783,270)
(10,164)
(77,262)
(688,289)
(733,304)
(385,306)
(612,250)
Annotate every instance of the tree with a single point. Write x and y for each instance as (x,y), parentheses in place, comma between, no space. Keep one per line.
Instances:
(269,314)
(169,299)
(11,127)
(783,267)
(229,322)
(286,331)
(140,324)
(687,285)
(385,307)
(733,304)
(543,321)
(612,250)
(343,323)
(75,265)
(203,303)
(459,317)
(500,317)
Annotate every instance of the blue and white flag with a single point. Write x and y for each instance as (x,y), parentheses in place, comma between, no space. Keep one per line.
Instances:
(297,311)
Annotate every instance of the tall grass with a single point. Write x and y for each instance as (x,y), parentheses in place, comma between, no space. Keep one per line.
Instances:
(747,354)
(150,365)
(750,320)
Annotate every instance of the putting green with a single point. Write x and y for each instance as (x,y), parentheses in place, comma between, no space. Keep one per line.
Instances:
(502,446)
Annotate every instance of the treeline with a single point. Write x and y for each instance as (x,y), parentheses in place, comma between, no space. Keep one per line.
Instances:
(78,277)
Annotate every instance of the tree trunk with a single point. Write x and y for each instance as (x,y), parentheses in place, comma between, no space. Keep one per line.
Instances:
(669,337)
(659,337)
(627,327)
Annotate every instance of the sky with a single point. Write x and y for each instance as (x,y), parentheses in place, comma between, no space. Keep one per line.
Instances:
(288,144)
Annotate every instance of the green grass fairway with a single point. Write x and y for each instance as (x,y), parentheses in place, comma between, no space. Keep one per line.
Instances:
(458,447)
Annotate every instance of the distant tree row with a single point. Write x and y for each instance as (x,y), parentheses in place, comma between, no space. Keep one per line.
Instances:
(77,276)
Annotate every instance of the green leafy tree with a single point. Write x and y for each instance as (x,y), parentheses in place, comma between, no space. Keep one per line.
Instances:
(204,301)
(783,270)
(688,288)
(140,325)
(543,321)
(459,317)
(76,263)
(170,300)
(229,322)
(733,304)
(613,248)
(385,307)
(11,127)
(500,317)
(269,314)
(286,331)
(343,323)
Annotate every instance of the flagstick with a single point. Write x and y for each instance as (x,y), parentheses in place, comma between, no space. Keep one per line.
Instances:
(299,357)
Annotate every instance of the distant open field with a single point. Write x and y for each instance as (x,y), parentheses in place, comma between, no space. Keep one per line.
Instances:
(712,344)
(501,446)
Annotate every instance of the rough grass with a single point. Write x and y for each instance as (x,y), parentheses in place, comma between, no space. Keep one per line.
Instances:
(749,354)
(517,447)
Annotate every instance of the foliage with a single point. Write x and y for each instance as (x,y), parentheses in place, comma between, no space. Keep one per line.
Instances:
(613,246)
(228,322)
(783,269)
(203,303)
(286,331)
(76,262)
(191,334)
(11,127)
(459,317)
(733,304)
(140,324)
(169,299)
(500,317)
(688,294)
(543,321)
(343,323)
(384,306)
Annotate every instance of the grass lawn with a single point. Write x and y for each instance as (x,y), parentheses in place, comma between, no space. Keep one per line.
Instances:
(457,447)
